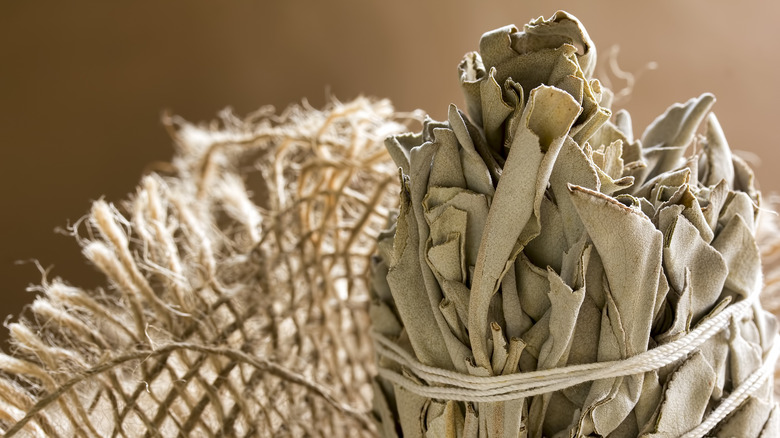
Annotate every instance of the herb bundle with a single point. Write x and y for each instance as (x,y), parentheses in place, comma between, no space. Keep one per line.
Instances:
(549,274)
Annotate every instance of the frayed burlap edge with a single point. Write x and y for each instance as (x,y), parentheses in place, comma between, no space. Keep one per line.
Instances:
(236,295)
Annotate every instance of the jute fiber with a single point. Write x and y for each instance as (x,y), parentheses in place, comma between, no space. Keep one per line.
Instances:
(235,301)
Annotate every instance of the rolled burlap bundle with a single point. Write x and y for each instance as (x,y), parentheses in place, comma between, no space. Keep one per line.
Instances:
(551,275)
(236,298)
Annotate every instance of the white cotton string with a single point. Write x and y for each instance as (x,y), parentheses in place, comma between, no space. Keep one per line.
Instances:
(740,394)
(456,386)
(463,387)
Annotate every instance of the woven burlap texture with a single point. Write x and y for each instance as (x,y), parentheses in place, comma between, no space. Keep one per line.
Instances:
(236,297)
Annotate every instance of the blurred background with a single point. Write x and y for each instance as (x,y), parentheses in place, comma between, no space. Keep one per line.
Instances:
(83,85)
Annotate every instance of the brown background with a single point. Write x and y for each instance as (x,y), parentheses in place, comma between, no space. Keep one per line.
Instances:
(83,84)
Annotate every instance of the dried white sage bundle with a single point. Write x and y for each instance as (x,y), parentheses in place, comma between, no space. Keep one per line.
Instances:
(550,275)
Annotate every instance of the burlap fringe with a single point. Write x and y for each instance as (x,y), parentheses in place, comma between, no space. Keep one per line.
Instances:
(236,297)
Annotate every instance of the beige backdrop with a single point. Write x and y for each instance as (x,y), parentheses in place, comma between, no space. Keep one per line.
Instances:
(83,84)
